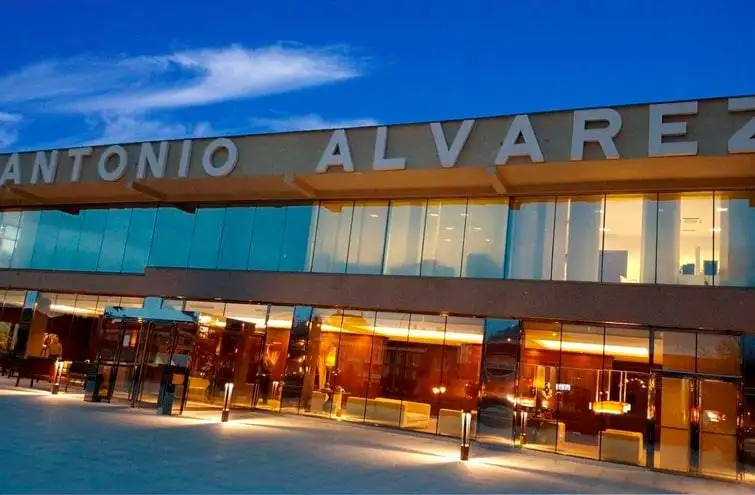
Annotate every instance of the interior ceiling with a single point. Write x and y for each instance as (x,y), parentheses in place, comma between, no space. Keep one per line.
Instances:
(733,172)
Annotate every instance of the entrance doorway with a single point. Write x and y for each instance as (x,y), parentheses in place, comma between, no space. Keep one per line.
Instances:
(697,420)
(141,358)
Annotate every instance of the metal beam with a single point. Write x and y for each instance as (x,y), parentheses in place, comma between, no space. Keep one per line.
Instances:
(299,185)
(147,191)
(496,179)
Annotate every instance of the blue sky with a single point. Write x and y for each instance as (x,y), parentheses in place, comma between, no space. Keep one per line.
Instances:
(95,71)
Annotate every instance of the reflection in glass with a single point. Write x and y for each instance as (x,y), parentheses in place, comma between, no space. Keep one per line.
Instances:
(629,239)
(323,346)
(299,375)
(444,238)
(172,239)
(685,239)
(734,234)
(578,238)
(93,223)
(367,237)
(718,428)
(485,238)
(675,351)
(529,247)
(332,238)
(114,240)
(499,388)
(277,339)
(45,239)
(352,370)
(295,253)
(673,447)
(236,238)
(718,354)
(267,237)
(139,239)
(205,238)
(406,229)
(460,377)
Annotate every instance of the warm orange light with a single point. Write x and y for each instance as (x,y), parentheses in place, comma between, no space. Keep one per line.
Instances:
(610,407)
(587,348)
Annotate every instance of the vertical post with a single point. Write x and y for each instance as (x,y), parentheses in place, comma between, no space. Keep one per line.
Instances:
(227,402)
(58,372)
(466,425)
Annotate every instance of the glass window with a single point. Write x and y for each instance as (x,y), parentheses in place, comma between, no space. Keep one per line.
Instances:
(45,239)
(578,238)
(27,234)
(139,239)
(748,435)
(320,383)
(9,231)
(69,231)
(529,248)
(298,374)
(114,240)
(499,374)
(236,238)
(353,367)
(277,342)
(297,238)
(685,239)
(485,238)
(536,405)
(460,375)
(332,237)
(267,238)
(205,240)
(718,354)
(444,238)
(674,351)
(734,235)
(367,238)
(172,239)
(93,223)
(406,229)
(629,239)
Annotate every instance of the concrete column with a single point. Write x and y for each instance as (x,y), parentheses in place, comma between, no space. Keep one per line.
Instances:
(669,225)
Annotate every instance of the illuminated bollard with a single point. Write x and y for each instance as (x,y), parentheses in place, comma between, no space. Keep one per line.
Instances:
(58,372)
(227,402)
(466,426)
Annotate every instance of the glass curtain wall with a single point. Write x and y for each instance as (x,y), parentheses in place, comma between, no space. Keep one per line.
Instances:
(697,238)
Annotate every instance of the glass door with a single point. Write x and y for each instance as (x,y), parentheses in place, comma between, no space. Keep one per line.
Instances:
(697,424)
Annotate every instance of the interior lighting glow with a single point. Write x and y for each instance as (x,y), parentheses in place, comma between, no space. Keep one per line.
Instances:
(587,348)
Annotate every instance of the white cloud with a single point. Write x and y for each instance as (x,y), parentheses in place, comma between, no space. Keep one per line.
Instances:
(8,129)
(180,79)
(308,122)
(133,127)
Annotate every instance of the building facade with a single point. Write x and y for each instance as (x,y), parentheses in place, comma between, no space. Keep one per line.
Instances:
(581,281)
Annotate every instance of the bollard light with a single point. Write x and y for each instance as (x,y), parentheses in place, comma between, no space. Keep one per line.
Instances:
(466,426)
(227,402)
(58,372)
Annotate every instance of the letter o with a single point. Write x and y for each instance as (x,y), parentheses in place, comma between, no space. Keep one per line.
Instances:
(209,154)
(118,171)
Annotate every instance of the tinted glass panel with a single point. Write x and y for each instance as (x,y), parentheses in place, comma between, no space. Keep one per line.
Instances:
(444,238)
(735,238)
(172,240)
(236,238)
(45,239)
(69,232)
(530,242)
(205,242)
(26,236)
(485,238)
(267,238)
(578,238)
(9,231)
(114,240)
(629,238)
(685,239)
(139,239)
(332,237)
(93,223)
(367,237)
(406,229)
(297,238)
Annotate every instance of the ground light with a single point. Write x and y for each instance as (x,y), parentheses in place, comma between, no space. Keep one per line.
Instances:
(227,402)
(466,426)
(58,372)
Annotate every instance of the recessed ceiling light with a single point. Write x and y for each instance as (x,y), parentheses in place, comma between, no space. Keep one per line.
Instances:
(477,228)
(373,215)
(433,214)
(449,228)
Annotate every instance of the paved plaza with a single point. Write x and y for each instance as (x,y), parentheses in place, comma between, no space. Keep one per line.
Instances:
(59,444)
